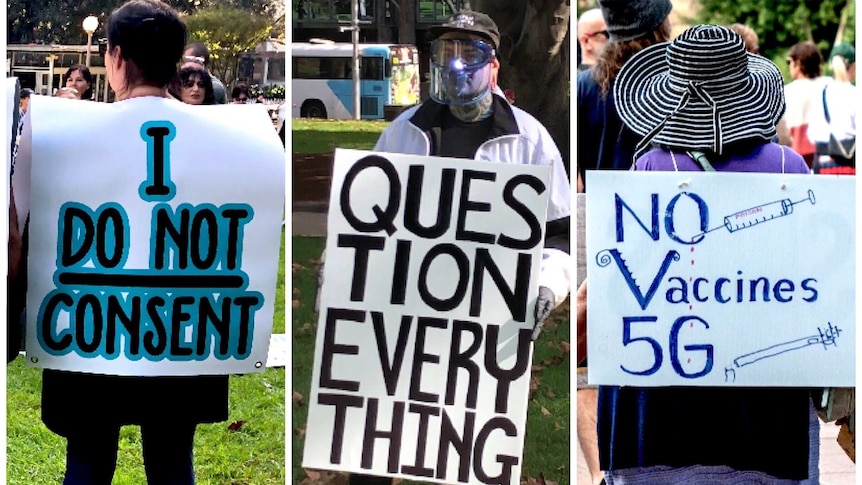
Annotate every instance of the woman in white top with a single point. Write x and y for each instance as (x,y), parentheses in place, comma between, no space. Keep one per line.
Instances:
(804,60)
(831,113)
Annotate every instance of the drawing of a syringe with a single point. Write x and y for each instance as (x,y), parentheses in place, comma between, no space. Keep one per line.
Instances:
(827,337)
(761,213)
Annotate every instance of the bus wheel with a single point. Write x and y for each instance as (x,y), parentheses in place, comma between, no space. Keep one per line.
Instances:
(313,109)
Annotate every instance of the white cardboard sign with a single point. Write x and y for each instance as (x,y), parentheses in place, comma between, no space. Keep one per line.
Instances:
(422,359)
(154,237)
(721,279)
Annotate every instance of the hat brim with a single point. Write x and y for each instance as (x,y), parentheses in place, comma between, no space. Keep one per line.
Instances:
(439,30)
(645,94)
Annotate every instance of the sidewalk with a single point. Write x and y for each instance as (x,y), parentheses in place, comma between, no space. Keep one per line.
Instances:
(836,468)
(309,219)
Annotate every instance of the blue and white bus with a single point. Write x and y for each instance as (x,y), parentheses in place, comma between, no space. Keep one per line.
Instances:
(322,84)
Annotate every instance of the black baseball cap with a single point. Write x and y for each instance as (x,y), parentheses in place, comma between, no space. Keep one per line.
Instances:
(472,22)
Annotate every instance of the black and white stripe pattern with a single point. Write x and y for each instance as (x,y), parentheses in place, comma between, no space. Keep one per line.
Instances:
(701,92)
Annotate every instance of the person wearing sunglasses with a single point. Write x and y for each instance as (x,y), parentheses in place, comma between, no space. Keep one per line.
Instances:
(193,85)
(467,116)
(592,36)
(197,54)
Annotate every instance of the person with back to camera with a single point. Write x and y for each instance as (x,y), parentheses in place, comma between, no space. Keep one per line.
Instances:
(193,85)
(468,117)
(802,93)
(606,143)
(833,116)
(702,103)
(80,78)
(145,43)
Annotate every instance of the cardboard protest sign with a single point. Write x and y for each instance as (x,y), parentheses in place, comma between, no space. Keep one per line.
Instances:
(422,359)
(155,229)
(721,279)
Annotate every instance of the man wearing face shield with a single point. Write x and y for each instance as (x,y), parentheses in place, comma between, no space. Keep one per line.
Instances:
(467,116)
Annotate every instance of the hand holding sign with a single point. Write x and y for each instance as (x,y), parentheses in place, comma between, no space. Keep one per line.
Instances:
(425,372)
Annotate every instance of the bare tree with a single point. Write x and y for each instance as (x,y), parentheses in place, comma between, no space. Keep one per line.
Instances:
(534,53)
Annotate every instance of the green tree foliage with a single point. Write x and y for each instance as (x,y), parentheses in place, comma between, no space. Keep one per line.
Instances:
(59,21)
(228,33)
(781,23)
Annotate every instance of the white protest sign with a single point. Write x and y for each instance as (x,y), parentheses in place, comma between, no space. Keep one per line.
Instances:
(155,229)
(422,360)
(721,279)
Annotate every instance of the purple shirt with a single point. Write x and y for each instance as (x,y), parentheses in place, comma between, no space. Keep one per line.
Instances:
(763,158)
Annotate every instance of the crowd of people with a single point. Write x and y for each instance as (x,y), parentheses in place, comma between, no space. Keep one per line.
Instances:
(705,100)
(192,84)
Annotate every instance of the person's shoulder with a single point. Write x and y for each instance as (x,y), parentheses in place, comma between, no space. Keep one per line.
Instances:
(793,162)
(394,137)
(656,159)
(404,117)
(585,84)
(774,157)
(528,124)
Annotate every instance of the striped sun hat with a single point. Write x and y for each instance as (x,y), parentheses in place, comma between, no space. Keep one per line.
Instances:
(700,92)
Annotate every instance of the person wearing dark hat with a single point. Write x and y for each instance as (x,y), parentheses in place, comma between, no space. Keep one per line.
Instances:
(832,117)
(702,103)
(467,116)
(604,142)
(631,25)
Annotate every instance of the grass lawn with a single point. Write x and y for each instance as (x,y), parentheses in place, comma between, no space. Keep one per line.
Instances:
(252,454)
(547,451)
(323,136)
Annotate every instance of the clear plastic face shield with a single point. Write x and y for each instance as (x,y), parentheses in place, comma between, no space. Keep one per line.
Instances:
(460,71)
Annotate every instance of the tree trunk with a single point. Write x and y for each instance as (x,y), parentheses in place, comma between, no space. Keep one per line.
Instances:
(842,25)
(406,22)
(534,56)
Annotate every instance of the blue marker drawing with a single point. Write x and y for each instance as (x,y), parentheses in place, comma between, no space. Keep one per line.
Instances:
(761,213)
(826,337)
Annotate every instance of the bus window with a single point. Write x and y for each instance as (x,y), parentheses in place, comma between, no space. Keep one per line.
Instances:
(322,79)
(371,68)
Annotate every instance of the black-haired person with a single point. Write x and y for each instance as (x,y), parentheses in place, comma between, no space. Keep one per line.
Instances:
(24,100)
(80,78)
(239,94)
(193,85)
(145,43)
(702,103)
(632,25)
(197,53)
